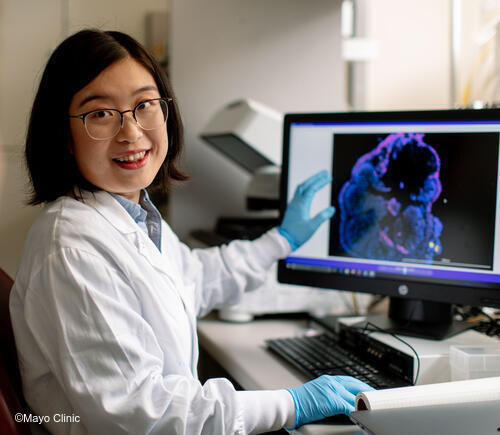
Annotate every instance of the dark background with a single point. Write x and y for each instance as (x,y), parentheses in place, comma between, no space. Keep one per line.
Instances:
(467,204)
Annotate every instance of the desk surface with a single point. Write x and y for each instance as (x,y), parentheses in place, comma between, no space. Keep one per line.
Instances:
(240,349)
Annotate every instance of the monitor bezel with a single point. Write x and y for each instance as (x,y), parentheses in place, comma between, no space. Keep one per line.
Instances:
(486,294)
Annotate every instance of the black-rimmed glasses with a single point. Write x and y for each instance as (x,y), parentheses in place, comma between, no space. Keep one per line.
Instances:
(104,124)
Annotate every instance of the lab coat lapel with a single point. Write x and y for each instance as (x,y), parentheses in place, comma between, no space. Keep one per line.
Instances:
(149,251)
(111,210)
(160,262)
(117,216)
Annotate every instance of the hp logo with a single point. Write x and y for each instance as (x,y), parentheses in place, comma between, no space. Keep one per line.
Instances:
(403,290)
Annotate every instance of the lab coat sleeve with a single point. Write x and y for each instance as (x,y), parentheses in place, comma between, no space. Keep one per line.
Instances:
(86,319)
(220,275)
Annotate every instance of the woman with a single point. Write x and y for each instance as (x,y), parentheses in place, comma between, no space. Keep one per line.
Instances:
(106,298)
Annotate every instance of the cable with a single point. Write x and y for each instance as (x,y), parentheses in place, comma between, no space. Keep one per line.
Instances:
(377,299)
(491,319)
(377,328)
(492,325)
(481,320)
(355,307)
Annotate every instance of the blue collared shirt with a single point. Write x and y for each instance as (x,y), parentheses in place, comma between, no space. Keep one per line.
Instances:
(145,214)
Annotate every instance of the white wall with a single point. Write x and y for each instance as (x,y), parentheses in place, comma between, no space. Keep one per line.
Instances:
(412,70)
(283,53)
(127,16)
(29,31)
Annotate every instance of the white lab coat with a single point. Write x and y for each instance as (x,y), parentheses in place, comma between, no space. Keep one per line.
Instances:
(105,325)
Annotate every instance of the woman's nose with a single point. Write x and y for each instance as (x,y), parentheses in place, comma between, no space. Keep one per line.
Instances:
(130,130)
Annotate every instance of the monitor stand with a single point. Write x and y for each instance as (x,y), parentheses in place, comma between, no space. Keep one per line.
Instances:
(416,318)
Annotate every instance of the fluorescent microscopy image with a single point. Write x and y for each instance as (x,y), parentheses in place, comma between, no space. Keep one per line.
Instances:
(386,205)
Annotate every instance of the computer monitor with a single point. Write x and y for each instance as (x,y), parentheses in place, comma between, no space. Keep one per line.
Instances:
(416,197)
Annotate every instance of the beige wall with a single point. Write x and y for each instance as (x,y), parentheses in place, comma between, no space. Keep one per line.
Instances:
(412,70)
(286,54)
(282,53)
(15,217)
(128,16)
(29,31)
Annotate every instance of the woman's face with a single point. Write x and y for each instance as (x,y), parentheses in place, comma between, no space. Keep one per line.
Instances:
(128,162)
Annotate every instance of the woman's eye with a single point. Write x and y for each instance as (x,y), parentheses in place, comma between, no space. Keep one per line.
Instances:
(100,114)
(144,105)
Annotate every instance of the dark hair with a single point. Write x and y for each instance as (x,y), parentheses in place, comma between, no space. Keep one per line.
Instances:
(74,63)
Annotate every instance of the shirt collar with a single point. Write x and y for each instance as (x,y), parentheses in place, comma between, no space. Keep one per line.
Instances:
(136,212)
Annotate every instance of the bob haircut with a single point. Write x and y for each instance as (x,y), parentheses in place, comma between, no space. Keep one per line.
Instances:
(74,63)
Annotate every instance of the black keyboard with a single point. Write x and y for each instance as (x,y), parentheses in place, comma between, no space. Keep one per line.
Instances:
(323,354)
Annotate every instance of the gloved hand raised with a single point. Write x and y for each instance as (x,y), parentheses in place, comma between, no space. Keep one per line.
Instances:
(297,226)
(325,396)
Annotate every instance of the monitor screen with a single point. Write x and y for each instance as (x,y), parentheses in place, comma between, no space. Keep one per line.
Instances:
(416,197)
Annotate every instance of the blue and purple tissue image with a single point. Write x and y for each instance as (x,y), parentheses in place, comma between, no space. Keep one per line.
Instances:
(386,206)
(426,198)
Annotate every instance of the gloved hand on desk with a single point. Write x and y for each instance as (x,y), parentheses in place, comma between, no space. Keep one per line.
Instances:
(297,226)
(325,396)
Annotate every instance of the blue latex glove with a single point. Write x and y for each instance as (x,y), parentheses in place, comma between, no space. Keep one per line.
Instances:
(325,396)
(297,226)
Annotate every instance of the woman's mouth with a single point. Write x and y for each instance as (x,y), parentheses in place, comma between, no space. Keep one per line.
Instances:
(132,161)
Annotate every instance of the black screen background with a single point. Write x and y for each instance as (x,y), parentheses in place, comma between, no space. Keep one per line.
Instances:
(468,176)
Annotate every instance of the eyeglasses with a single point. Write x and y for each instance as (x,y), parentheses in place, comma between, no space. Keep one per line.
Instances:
(104,124)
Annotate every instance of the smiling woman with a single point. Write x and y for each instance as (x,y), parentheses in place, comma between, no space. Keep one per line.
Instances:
(106,297)
(84,74)
(118,149)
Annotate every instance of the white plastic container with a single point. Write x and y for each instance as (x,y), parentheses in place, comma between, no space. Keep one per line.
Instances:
(472,362)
